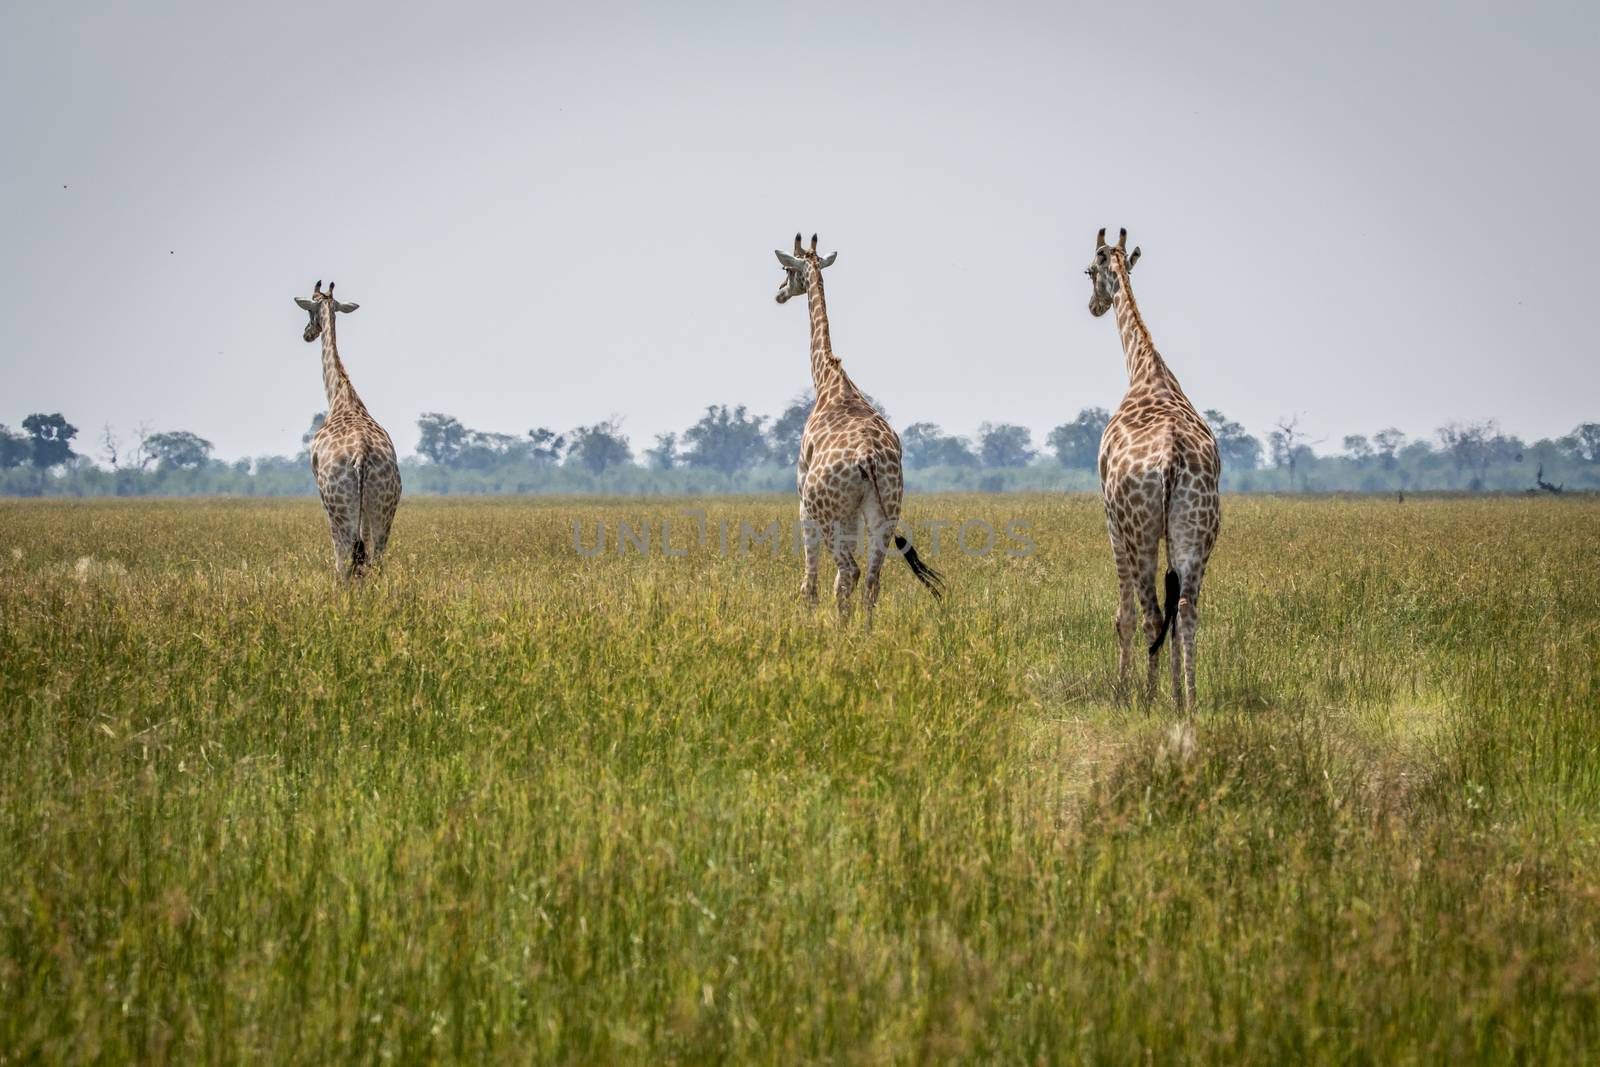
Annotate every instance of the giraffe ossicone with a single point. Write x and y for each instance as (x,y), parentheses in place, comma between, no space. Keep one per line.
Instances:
(1159,475)
(352,458)
(849,469)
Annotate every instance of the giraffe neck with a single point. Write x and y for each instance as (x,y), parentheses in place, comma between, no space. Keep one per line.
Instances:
(335,382)
(1145,364)
(827,375)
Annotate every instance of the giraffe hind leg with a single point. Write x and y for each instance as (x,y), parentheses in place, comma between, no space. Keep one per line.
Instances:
(338,483)
(1126,620)
(377,517)
(844,558)
(844,583)
(811,545)
(338,533)
(877,551)
(1151,606)
(341,555)
(1188,623)
(1174,622)
(356,543)
(1168,614)
(1191,535)
(880,531)
(1136,560)
(1183,638)
(349,551)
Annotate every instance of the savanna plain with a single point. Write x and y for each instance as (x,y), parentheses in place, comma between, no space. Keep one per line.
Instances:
(506,802)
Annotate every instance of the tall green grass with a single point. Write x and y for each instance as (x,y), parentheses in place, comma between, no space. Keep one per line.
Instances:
(507,803)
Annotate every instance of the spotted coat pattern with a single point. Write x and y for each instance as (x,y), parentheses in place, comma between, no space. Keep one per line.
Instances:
(1159,471)
(352,458)
(849,467)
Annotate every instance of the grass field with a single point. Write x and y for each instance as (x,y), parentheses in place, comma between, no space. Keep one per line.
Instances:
(507,803)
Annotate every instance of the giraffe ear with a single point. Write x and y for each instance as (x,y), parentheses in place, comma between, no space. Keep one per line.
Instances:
(788,261)
(829,261)
(1133,258)
(303,302)
(347,308)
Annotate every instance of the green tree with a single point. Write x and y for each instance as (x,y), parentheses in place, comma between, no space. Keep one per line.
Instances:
(442,437)
(783,437)
(664,456)
(597,447)
(51,439)
(1004,444)
(15,448)
(725,440)
(1387,444)
(925,445)
(545,446)
(1288,449)
(1077,443)
(1237,449)
(178,450)
(481,450)
(305,439)
(1461,442)
(1473,446)
(1583,443)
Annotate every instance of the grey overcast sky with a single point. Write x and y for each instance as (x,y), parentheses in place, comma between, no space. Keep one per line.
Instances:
(555,213)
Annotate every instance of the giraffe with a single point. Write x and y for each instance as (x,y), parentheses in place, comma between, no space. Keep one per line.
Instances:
(1159,470)
(352,458)
(849,466)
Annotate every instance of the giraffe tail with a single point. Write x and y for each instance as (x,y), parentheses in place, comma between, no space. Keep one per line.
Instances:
(1174,586)
(1170,612)
(358,547)
(925,574)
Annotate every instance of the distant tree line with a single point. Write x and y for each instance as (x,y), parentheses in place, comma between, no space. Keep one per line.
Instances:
(729,449)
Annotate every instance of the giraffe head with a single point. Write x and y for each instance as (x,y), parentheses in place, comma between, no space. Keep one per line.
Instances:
(319,305)
(1106,269)
(800,268)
